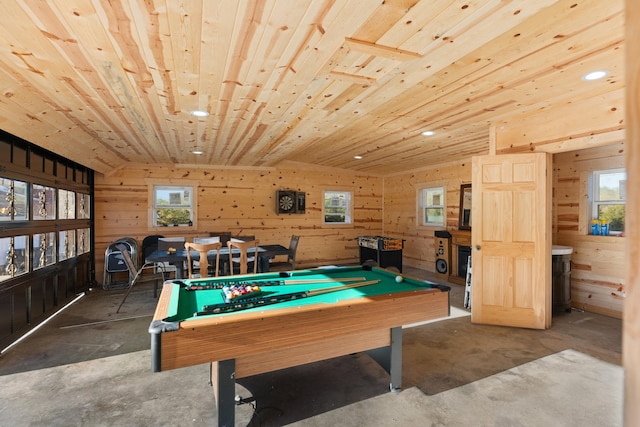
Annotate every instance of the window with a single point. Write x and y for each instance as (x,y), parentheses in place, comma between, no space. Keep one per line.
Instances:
(13,200)
(44,202)
(84,237)
(432,206)
(337,207)
(172,206)
(66,204)
(84,206)
(44,249)
(13,257)
(608,200)
(66,244)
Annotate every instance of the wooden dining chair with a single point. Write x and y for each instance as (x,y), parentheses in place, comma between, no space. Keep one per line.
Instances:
(203,249)
(290,263)
(243,260)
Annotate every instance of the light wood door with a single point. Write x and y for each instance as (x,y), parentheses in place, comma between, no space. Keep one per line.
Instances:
(511,240)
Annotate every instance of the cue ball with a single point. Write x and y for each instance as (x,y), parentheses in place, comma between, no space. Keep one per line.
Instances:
(398,279)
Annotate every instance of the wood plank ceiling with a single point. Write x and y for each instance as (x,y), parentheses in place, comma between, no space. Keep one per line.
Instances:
(111,82)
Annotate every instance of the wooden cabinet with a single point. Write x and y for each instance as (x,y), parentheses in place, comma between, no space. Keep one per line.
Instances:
(460,250)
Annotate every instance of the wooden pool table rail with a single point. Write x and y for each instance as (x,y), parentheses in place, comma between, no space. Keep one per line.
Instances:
(257,334)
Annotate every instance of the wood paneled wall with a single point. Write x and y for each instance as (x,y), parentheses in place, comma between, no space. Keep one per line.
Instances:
(401,209)
(242,201)
(598,262)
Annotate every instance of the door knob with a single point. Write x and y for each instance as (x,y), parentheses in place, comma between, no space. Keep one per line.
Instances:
(477,247)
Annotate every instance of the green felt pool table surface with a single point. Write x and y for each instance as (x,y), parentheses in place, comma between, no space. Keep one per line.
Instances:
(185,303)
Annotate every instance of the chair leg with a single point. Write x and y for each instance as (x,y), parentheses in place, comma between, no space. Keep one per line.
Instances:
(125,297)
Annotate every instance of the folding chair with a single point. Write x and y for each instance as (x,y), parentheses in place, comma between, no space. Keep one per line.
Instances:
(146,273)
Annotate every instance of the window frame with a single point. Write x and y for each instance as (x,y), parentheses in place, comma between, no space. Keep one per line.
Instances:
(594,201)
(422,205)
(348,221)
(169,184)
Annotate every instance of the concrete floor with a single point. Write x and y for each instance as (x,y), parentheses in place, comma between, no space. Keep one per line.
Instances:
(90,366)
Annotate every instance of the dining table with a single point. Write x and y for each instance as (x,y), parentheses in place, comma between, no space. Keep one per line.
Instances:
(179,257)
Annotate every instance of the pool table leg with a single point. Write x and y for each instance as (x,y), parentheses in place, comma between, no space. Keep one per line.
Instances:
(390,358)
(396,359)
(224,388)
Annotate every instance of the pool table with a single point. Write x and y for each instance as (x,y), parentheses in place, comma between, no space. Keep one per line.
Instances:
(297,317)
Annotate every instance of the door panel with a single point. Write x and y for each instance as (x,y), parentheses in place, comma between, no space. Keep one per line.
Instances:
(511,240)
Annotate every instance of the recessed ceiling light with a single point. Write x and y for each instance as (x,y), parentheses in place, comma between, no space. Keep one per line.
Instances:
(199,113)
(428,133)
(357,157)
(198,152)
(595,75)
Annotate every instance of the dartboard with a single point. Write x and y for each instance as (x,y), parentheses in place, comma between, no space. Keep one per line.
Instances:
(286,202)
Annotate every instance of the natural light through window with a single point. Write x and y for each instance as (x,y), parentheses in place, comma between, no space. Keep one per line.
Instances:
(432,206)
(337,207)
(608,200)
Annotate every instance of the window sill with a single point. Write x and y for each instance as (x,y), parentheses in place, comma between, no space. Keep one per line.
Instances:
(431,226)
(597,237)
(336,225)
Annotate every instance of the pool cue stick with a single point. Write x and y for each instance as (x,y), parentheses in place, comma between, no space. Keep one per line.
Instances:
(312,281)
(268,283)
(258,301)
(323,291)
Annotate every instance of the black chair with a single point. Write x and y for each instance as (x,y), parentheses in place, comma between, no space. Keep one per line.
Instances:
(290,263)
(146,273)
(149,244)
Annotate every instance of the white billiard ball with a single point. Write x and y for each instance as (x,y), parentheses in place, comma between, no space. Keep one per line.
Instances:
(399,279)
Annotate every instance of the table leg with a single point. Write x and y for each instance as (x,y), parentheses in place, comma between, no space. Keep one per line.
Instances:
(390,358)
(263,266)
(396,359)
(224,387)
(178,266)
